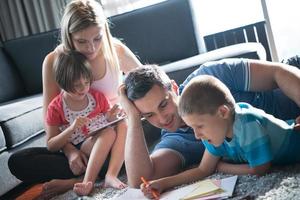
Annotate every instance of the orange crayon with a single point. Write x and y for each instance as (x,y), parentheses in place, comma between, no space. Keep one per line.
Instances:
(154,193)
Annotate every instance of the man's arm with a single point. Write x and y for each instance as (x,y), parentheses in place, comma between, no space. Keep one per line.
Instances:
(161,163)
(206,167)
(137,159)
(270,75)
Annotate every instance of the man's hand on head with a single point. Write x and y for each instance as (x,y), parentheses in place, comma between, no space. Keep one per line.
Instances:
(128,106)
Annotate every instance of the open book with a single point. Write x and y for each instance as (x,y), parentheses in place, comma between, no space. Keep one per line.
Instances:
(204,188)
(226,185)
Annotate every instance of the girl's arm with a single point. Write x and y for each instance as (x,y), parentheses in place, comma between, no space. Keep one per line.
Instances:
(240,169)
(207,167)
(57,140)
(112,114)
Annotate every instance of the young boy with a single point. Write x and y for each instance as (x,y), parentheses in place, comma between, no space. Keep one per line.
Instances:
(247,139)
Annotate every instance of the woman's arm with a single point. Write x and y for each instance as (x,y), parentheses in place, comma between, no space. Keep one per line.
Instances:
(127,59)
(50,87)
(269,75)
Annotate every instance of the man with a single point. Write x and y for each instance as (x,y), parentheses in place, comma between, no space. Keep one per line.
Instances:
(149,93)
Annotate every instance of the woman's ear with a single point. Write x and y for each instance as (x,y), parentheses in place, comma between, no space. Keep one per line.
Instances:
(224,111)
(174,87)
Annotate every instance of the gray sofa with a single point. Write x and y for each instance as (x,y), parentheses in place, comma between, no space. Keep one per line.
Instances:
(163,34)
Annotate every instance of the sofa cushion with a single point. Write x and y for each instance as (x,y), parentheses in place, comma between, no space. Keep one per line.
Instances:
(2,141)
(21,119)
(11,86)
(161,33)
(28,54)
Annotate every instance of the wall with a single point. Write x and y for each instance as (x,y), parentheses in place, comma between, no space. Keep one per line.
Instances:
(213,16)
(285,19)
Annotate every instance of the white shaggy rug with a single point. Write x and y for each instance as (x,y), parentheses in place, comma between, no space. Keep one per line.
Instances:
(281,183)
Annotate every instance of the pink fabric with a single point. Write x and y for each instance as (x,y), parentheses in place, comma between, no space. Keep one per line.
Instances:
(109,85)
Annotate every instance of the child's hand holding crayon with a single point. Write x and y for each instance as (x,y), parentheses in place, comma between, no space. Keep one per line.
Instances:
(150,189)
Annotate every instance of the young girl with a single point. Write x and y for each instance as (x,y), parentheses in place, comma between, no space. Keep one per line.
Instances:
(75,111)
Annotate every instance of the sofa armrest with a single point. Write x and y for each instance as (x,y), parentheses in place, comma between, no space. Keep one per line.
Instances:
(243,50)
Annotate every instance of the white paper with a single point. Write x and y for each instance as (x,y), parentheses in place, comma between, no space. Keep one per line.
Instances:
(227,184)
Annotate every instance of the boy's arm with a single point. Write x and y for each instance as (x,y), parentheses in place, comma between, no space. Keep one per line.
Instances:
(240,169)
(206,167)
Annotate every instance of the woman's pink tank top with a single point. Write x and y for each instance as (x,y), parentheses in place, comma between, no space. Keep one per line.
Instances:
(109,85)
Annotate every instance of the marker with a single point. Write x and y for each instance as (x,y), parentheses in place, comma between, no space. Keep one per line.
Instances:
(154,193)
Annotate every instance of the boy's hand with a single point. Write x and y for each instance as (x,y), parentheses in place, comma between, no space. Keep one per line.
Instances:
(152,187)
(297,124)
(79,122)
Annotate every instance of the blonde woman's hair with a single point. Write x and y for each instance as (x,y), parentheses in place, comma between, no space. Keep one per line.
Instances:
(204,95)
(81,14)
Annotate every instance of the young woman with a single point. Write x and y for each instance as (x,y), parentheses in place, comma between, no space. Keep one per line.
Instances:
(83,28)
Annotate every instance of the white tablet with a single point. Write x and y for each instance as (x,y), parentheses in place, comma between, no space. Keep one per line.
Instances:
(99,126)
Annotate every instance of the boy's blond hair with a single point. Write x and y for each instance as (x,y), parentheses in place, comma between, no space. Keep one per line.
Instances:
(204,95)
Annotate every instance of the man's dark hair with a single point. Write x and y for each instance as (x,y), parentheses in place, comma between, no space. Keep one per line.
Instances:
(69,67)
(140,81)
